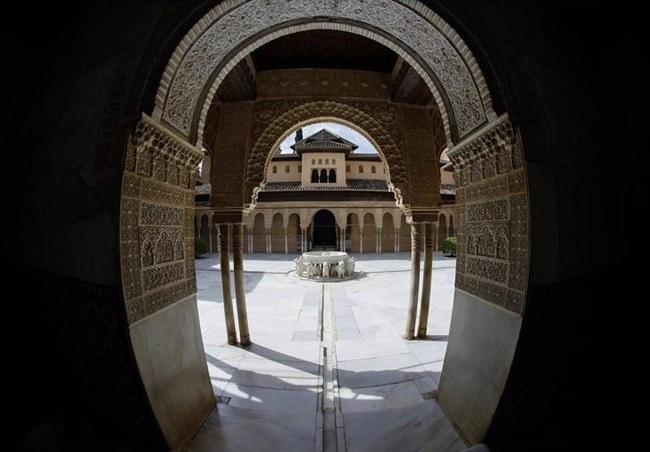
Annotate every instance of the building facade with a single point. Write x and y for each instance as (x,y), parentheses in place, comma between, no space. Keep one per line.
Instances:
(325,196)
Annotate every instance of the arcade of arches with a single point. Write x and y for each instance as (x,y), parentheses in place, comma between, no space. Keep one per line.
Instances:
(117,105)
(281,230)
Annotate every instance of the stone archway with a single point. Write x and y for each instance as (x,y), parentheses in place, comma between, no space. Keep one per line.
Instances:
(324,230)
(157,198)
(413,31)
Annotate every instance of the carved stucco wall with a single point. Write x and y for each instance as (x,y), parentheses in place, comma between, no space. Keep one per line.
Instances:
(377,120)
(157,220)
(323,82)
(492,206)
(234,28)
(228,151)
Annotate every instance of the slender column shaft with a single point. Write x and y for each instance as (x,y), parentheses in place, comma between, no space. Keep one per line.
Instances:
(415,282)
(286,242)
(426,280)
(210,237)
(361,239)
(225,284)
(240,284)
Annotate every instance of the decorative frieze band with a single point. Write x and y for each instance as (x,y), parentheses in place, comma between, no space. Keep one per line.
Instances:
(486,153)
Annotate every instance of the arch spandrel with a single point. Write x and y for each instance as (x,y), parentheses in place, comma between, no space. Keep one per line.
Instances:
(218,41)
(370,126)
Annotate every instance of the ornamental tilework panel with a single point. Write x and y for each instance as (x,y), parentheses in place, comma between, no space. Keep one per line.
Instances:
(156,244)
(493,237)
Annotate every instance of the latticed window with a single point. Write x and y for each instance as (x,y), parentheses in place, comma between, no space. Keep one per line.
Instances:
(373,170)
(361,168)
(275,169)
(287,169)
(347,168)
(332,178)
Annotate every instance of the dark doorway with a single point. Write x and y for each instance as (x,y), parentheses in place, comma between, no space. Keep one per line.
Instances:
(324,230)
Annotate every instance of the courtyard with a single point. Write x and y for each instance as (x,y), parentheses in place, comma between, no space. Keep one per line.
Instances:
(328,365)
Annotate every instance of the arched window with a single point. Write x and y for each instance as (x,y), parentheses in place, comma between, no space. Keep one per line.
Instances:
(314,176)
(275,169)
(287,169)
(373,169)
(300,168)
(327,161)
(347,168)
(323,176)
(361,168)
(332,176)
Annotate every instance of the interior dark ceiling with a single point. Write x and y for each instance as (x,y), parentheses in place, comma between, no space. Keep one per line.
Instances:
(324,49)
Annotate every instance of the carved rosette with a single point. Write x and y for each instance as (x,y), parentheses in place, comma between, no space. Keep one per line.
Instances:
(156,238)
(377,120)
(492,230)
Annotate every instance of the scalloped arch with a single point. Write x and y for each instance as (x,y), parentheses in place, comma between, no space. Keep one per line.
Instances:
(370,127)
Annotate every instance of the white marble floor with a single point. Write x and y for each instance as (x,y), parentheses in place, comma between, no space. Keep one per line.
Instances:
(273,395)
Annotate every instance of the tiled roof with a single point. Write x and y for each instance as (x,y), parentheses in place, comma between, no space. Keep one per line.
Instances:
(323,140)
(352,185)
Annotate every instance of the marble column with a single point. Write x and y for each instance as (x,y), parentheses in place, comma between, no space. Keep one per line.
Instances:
(426,280)
(396,241)
(240,284)
(225,284)
(411,314)
(360,238)
(286,242)
(378,240)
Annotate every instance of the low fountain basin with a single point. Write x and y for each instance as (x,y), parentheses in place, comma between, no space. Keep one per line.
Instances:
(325,266)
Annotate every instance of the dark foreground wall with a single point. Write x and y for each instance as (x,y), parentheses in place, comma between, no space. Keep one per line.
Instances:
(570,75)
(81,73)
